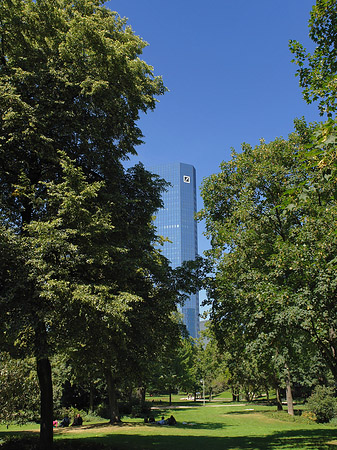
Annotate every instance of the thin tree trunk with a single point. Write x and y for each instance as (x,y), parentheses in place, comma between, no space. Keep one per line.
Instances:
(170,396)
(278,396)
(278,399)
(113,405)
(143,396)
(46,402)
(91,398)
(290,402)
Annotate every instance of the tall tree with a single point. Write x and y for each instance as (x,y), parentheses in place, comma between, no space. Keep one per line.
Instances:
(70,79)
(274,285)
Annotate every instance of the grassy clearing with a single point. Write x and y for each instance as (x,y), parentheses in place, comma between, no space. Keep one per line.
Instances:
(215,426)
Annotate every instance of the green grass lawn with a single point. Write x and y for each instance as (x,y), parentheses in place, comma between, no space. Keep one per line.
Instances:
(215,426)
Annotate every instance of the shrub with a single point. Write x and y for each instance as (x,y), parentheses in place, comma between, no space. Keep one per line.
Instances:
(323,404)
(309,415)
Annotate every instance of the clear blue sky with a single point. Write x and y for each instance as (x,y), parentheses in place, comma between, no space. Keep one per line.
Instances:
(228,68)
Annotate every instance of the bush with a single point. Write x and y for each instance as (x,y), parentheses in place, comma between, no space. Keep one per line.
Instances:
(309,415)
(323,404)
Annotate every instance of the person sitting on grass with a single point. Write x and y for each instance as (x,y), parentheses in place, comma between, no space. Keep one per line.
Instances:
(162,421)
(171,421)
(77,421)
(65,422)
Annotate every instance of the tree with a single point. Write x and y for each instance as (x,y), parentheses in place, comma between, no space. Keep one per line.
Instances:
(274,286)
(71,80)
(317,70)
(210,364)
(173,370)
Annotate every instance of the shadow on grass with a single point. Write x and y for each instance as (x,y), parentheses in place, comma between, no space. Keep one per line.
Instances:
(164,406)
(271,413)
(241,412)
(151,426)
(187,425)
(283,440)
(28,433)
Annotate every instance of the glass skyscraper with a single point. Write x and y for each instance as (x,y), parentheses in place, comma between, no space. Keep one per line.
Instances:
(176,221)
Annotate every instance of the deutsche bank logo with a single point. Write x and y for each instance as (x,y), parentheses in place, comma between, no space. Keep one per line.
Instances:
(187,179)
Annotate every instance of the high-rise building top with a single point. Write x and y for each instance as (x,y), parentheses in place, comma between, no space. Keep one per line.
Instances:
(176,221)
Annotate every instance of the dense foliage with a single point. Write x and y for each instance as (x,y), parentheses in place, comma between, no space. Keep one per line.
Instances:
(273,248)
(79,272)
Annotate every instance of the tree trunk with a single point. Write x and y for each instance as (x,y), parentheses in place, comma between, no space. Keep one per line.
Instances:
(170,396)
(290,403)
(141,394)
(235,396)
(210,398)
(278,399)
(46,402)
(46,386)
(91,398)
(113,405)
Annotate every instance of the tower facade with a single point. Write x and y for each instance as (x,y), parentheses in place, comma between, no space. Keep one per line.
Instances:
(176,221)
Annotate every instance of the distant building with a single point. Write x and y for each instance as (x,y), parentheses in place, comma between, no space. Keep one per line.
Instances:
(176,221)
